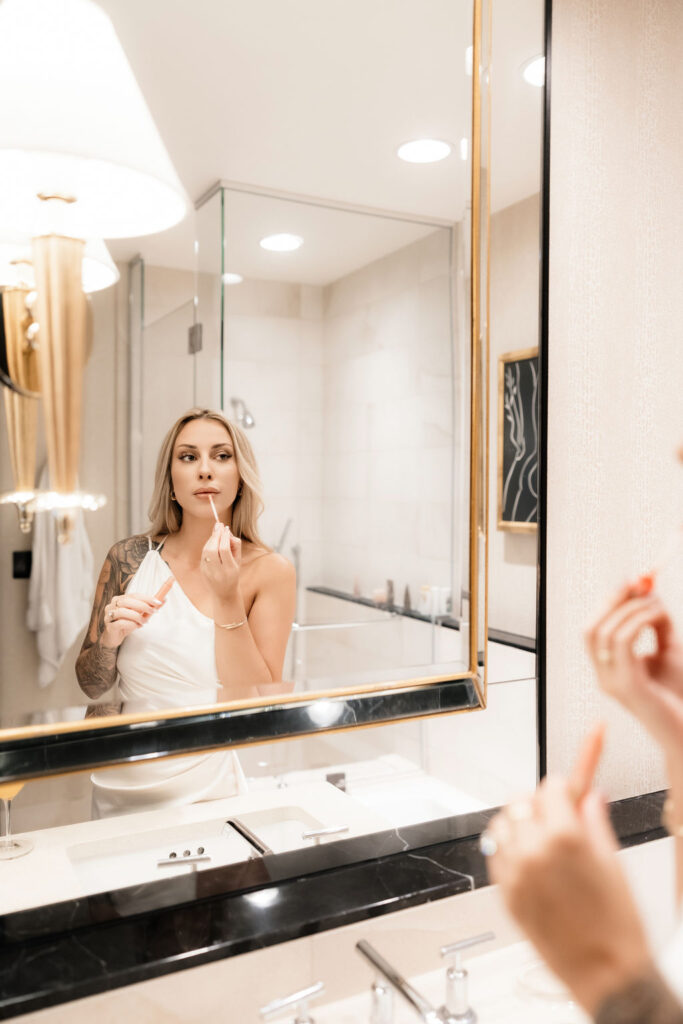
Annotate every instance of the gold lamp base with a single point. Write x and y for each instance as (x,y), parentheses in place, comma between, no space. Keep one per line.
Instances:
(62,317)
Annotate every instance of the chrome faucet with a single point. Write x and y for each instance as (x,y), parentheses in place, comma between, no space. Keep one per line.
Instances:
(457,1000)
(259,848)
(422,1008)
(298,1001)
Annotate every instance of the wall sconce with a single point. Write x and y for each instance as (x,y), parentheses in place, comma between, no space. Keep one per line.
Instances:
(80,159)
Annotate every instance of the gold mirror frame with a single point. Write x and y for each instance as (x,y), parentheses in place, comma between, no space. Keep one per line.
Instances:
(38,750)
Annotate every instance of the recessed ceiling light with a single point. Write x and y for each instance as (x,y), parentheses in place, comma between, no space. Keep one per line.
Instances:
(424,151)
(534,71)
(281,243)
(229,278)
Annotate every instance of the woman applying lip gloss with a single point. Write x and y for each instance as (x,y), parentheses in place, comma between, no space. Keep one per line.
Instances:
(195,611)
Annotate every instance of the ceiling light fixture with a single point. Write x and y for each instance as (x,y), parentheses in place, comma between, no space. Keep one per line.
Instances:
(281,243)
(229,278)
(424,151)
(534,71)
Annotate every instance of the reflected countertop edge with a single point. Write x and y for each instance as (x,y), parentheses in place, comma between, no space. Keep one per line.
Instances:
(81,947)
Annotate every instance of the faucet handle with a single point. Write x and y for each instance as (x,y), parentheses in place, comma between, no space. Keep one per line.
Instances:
(316,834)
(457,1001)
(299,1000)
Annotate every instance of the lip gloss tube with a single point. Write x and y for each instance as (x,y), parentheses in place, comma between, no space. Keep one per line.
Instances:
(213,508)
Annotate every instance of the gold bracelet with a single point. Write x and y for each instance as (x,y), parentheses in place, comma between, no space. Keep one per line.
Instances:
(667,819)
(231,625)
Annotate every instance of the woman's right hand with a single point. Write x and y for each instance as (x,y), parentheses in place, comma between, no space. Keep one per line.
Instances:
(650,686)
(127,612)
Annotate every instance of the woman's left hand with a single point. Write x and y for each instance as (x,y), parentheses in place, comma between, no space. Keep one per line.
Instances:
(221,559)
(555,863)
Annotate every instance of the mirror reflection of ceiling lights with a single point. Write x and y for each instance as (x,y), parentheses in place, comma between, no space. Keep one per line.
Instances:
(282,242)
(424,151)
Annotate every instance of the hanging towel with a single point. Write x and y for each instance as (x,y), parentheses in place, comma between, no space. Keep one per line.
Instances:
(60,590)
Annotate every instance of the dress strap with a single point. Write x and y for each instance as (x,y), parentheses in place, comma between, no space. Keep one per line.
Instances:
(160,546)
(149,543)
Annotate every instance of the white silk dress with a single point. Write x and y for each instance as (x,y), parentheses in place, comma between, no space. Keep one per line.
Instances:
(170,662)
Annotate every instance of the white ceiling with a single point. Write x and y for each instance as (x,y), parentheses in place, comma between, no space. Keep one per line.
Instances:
(314,96)
(336,242)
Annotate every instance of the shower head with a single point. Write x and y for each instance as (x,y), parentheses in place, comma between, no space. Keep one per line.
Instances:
(241,413)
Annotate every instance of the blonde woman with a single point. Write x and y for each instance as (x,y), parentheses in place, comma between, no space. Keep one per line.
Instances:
(191,613)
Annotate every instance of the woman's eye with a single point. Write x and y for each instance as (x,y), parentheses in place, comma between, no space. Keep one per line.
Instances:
(224,456)
(186,457)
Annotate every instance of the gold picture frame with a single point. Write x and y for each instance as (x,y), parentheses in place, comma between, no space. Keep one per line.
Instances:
(517,441)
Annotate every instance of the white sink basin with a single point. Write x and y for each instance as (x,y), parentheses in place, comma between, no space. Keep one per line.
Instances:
(99,856)
(507,986)
(159,853)
(281,828)
(413,799)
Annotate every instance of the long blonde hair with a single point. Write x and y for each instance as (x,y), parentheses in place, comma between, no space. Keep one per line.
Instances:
(165,513)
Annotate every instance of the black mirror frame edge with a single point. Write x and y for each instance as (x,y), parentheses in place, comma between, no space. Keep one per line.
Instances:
(45,754)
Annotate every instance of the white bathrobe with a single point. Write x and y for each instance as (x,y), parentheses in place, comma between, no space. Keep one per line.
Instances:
(60,591)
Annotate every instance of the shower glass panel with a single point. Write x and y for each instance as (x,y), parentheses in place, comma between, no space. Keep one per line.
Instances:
(344,358)
(162,377)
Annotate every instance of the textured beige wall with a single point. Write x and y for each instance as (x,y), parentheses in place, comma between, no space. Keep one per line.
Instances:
(615,362)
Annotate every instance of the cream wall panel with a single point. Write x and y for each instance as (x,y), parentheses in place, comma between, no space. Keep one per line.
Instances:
(615,366)
(514,322)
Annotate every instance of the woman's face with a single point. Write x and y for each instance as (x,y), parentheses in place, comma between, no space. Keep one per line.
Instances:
(203,463)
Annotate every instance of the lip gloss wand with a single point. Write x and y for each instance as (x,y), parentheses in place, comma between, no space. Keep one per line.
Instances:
(213,509)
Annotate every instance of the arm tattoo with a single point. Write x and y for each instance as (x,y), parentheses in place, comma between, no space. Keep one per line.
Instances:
(102,710)
(648,1000)
(96,665)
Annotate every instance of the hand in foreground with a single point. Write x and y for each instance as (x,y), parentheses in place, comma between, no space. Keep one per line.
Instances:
(221,559)
(555,863)
(128,612)
(650,686)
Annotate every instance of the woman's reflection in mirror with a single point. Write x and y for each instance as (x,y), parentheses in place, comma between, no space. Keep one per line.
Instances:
(196,610)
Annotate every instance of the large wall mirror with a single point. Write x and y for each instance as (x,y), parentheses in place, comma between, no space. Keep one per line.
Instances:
(362,367)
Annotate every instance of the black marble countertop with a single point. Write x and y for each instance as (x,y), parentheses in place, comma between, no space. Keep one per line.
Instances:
(69,950)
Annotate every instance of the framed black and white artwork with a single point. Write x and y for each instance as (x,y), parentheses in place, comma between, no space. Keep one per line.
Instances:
(518,441)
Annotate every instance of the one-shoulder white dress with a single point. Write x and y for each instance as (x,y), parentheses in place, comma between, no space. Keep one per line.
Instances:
(170,662)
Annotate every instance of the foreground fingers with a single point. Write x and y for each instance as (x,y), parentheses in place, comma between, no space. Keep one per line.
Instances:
(624,593)
(583,774)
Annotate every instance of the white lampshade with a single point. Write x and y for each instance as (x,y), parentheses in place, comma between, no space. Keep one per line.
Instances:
(73,122)
(16,268)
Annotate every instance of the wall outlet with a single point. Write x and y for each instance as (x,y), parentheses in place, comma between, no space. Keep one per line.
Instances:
(21,564)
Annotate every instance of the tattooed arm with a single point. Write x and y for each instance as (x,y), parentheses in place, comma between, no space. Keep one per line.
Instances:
(96,664)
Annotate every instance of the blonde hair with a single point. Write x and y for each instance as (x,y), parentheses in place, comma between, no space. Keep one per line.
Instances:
(165,513)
